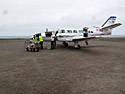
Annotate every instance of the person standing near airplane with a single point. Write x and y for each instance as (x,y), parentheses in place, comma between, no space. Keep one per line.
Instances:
(52,42)
(85,34)
(34,39)
(41,41)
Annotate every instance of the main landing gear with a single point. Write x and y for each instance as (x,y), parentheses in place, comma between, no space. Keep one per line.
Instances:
(65,44)
(77,46)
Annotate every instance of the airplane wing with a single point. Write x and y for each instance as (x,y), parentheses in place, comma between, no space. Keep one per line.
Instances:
(83,38)
(112,26)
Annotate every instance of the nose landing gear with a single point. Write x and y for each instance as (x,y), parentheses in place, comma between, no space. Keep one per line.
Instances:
(65,44)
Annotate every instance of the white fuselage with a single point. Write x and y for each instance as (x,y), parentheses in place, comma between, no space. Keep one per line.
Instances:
(68,35)
(76,35)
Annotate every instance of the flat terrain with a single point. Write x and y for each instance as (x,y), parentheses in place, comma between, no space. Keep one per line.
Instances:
(95,69)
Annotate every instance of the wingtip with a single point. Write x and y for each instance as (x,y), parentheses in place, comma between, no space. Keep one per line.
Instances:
(119,24)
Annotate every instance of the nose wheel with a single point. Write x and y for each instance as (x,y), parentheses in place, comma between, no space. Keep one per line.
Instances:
(65,44)
(77,46)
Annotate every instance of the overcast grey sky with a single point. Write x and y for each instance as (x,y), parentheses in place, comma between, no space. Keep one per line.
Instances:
(25,17)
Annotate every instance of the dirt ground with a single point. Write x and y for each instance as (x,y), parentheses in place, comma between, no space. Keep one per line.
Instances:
(95,69)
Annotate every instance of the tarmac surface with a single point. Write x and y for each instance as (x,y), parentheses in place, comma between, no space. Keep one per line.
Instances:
(95,69)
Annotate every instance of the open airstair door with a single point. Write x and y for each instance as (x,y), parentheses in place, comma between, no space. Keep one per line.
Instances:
(85,34)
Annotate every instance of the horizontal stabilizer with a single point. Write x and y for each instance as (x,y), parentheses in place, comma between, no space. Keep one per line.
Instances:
(112,26)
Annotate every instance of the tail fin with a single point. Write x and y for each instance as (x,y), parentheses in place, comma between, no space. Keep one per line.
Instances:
(109,25)
(110,21)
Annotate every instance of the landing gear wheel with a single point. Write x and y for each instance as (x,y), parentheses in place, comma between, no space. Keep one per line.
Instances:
(37,49)
(66,44)
(33,49)
(79,46)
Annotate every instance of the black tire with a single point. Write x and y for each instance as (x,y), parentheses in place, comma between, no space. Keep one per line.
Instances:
(79,46)
(37,49)
(27,49)
(66,44)
(33,49)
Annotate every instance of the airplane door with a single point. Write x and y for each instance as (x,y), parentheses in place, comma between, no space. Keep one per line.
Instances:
(85,34)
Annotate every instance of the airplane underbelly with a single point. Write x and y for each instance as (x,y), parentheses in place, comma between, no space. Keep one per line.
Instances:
(64,39)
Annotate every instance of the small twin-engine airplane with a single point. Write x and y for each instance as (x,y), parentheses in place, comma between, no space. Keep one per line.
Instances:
(76,35)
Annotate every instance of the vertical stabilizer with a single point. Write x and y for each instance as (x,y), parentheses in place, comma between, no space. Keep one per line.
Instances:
(110,21)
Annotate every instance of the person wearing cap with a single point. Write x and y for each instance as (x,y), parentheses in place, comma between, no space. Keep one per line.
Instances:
(41,40)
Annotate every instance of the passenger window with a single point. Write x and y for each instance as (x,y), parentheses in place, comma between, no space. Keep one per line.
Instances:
(89,31)
(74,31)
(80,31)
(69,31)
(62,31)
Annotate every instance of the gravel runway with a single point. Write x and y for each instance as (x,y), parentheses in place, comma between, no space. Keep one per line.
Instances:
(95,69)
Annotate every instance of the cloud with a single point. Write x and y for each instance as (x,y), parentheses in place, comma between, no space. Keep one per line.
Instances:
(30,15)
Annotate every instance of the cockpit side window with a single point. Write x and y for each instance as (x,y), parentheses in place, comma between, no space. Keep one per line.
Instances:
(69,31)
(74,31)
(62,31)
